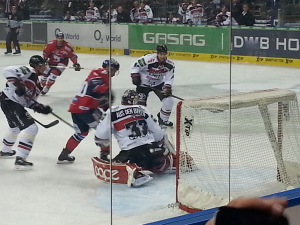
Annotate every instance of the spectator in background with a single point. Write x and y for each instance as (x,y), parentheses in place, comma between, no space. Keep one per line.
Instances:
(236,10)
(224,18)
(134,12)
(195,11)
(92,13)
(113,15)
(122,17)
(23,8)
(247,17)
(48,7)
(171,19)
(81,16)
(145,13)
(183,13)
(69,17)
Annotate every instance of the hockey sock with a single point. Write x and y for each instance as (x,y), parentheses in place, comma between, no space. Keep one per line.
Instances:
(165,111)
(74,141)
(27,140)
(10,139)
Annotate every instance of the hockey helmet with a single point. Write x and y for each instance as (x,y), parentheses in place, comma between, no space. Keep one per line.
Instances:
(130,97)
(36,60)
(60,35)
(112,62)
(161,48)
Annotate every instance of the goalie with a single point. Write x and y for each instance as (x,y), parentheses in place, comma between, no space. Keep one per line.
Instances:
(140,139)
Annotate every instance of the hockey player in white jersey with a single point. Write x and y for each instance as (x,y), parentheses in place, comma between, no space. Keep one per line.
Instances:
(22,89)
(140,139)
(155,72)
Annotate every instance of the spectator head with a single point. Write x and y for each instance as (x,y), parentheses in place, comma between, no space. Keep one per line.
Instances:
(184,5)
(136,4)
(120,9)
(142,5)
(224,9)
(92,4)
(13,9)
(245,7)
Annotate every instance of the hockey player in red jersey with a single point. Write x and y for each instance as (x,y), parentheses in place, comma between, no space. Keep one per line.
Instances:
(93,94)
(57,53)
(140,139)
(21,91)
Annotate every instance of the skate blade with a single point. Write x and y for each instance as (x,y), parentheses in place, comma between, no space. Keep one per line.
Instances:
(64,162)
(22,168)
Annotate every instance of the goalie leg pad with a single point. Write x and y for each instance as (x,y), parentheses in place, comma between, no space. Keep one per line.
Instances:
(117,173)
(129,174)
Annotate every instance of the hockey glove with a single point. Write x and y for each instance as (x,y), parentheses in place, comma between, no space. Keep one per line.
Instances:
(167,90)
(77,66)
(40,108)
(136,79)
(20,88)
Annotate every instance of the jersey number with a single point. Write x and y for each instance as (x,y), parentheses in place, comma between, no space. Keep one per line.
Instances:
(139,128)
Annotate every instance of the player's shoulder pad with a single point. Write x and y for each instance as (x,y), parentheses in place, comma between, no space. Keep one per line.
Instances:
(170,61)
(142,61)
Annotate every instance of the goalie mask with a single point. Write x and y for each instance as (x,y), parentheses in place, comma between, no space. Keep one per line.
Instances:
(130,97)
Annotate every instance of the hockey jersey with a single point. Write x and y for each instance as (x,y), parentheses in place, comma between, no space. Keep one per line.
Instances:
(59,54)
(131,125)
(153,72)
(92,14)
(28,77)
(145,14)
(195,14)
(95,86)
(134,15)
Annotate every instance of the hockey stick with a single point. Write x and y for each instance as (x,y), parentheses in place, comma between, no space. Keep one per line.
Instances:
(58,117)
(70,67)
(47,125)
(174,96)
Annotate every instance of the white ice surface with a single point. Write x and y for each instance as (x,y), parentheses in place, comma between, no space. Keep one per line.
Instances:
(71,194)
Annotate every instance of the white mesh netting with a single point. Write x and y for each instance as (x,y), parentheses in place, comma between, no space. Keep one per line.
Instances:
(251,150)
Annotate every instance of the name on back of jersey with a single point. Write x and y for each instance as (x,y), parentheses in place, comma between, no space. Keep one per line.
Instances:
(130,111)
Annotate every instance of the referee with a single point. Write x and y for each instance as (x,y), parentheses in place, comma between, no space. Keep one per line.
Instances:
(14,23)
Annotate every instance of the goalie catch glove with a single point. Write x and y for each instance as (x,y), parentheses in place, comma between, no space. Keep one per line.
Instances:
(77,66)
(167,90)
(40,108)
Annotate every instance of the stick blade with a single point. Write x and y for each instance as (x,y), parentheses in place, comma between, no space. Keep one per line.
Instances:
(51,124)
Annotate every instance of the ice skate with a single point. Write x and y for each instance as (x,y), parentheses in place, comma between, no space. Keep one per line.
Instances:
(7,154)
(136,178)
(65,157)
(17,53)
(104,155)
(22,164)
(45,90)
(164,123)
(7,53)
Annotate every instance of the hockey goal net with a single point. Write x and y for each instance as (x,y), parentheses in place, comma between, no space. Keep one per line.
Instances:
(246,144)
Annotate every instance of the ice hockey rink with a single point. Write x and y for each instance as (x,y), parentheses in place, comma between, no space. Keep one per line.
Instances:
(71,194)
